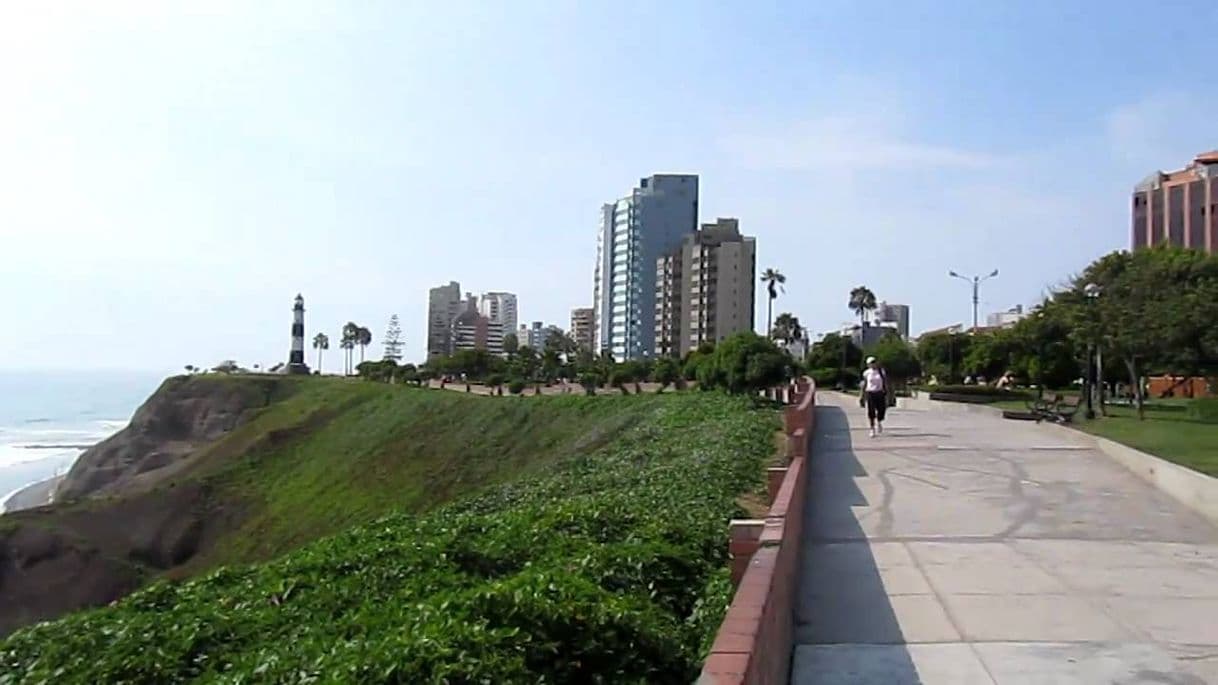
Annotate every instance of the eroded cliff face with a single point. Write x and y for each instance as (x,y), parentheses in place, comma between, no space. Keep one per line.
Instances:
(184,414)
(121,515)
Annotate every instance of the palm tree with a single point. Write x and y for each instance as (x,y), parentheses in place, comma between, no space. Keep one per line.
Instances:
(350,336)
(363,338)
(321,342)
(862,300)
(773,280)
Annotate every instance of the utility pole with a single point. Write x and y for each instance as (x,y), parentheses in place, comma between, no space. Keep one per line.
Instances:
(976,282)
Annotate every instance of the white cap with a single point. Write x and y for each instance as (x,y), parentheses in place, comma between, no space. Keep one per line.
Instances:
(870,360)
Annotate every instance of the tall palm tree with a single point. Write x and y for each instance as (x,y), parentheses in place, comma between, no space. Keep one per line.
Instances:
(321,342)
(363,338)
(350,336)
(862,300)
(773,280)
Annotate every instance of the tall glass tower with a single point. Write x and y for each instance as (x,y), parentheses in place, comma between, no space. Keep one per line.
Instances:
(635,231)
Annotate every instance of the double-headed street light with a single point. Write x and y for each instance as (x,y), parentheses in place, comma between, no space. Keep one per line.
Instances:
(976,281)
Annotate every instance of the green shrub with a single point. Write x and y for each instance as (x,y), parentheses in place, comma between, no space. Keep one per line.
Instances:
(516,386)
(978,390)
(608,568)
(1204,409)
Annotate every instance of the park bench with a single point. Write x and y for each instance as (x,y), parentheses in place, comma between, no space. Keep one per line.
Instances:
(1060,410)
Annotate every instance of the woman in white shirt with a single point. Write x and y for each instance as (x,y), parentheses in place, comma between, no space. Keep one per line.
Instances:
(874,393)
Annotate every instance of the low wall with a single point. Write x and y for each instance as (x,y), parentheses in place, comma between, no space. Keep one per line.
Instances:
(754,643)
(1194,490)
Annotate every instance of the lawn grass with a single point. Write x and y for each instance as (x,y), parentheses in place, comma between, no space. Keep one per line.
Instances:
(1166,432)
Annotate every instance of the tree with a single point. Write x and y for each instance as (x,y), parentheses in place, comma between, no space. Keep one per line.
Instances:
(942,354)
(350,335)
(862,300)
(510,344)
(227,366)
(898,359)
(774,281)
(834,358)
(744,363)
(665,371)
(1151,309)
(363,338)
(787,328)
(190,368)
(321,342)
(393,340)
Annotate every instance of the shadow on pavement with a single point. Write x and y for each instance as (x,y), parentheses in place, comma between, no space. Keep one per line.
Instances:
(846,630)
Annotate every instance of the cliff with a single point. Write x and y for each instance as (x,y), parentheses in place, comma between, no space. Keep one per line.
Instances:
(183,415)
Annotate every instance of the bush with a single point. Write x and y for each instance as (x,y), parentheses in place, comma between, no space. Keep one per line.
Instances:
(516,386)
(610,567)
(1204,409)
(744,363)
(981,394)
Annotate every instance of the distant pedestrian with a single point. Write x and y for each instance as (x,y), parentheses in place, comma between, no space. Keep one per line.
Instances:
(874,394)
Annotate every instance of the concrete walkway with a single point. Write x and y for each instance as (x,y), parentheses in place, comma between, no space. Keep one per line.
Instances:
(962,548)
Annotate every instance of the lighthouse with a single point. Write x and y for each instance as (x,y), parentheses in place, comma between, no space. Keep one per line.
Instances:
(296,363)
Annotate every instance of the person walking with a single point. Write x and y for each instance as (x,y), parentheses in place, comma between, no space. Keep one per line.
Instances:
(874,394)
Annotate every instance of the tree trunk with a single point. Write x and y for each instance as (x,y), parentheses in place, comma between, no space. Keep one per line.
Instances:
(1132,365)
(769,316)
(319,361)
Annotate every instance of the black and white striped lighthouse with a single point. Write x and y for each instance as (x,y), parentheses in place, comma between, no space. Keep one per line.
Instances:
(296,363)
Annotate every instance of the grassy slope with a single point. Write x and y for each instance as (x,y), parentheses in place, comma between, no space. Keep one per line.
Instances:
(341,453)
(603,554)
(1166,432)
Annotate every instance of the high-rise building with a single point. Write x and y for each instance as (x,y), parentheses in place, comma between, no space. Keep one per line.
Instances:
(443,305)
(1178,208)
(535,335)
(499,307)
(893,315)
(705,288)
(1006,319)
(635,231)
(472,330)
(581,327)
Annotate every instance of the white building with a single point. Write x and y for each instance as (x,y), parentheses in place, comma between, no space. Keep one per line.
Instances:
(1006,319)
(500,308)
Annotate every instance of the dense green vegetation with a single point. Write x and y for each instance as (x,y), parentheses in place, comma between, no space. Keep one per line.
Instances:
(604,562)
(743,363)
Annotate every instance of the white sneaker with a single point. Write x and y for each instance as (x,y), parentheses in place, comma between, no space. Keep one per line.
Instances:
(871,433)
(879,428)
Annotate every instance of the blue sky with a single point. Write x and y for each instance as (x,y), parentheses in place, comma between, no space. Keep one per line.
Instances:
(171,174)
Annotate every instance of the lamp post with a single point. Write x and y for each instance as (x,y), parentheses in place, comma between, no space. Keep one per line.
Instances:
(1095,368)
(976,281)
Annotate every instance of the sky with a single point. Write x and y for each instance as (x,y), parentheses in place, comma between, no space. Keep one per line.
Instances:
(172,174)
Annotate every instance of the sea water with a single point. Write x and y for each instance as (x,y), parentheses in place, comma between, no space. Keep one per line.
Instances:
(48,418)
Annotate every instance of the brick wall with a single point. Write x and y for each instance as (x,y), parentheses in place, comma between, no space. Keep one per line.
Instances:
(753,646)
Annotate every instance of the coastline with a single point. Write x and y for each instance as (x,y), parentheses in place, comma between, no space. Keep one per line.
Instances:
(34,495)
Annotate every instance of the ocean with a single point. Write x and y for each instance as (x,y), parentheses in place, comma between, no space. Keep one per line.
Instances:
(47,418)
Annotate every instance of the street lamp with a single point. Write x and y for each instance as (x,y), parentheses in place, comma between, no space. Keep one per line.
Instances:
(1095,364)
(976,281)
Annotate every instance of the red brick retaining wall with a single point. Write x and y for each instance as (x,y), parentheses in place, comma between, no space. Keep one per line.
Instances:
(753,646)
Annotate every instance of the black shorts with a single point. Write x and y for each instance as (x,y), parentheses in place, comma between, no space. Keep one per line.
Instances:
(877,405)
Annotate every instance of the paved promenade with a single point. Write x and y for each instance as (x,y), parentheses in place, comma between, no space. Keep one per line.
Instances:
(962,548)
